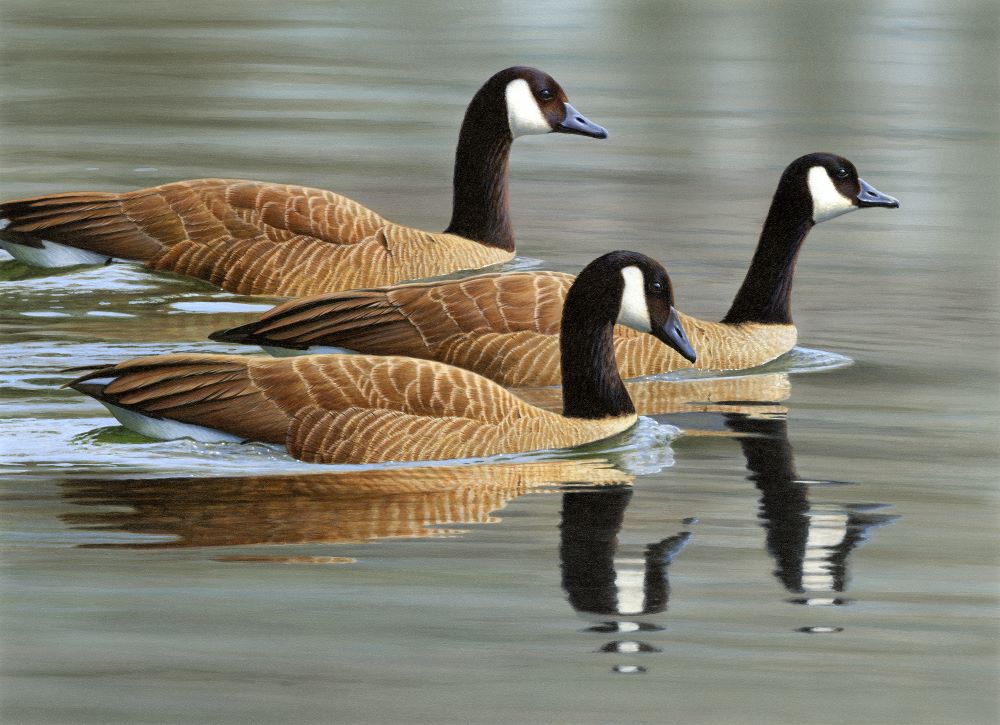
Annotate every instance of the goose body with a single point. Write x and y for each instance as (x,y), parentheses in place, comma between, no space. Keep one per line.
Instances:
(502,326)
(365,409)
(506,326)
(253,237)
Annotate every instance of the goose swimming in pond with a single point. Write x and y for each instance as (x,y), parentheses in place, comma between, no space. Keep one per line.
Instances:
(366,409)
(254,237)
(506,326)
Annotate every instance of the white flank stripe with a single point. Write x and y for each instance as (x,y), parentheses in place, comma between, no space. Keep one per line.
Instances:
(51,254)
(314,350)
(165,429)
(100,381)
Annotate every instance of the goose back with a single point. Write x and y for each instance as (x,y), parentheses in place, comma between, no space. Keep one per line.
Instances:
(247,237)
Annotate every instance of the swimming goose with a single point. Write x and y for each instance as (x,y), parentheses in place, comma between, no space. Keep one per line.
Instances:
(365,408)
(254,237)
(505,326)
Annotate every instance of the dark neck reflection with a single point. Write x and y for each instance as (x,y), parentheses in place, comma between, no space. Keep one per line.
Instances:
(810,544)
(595,582)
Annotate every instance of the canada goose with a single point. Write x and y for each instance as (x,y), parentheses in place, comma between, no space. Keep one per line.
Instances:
(505,326)
(365,409)
(253,237)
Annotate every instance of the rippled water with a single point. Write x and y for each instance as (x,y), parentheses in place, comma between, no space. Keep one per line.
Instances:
(813,548)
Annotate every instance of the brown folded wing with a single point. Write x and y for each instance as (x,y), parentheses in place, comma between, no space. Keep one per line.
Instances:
(341,408)
(436,320)
(502,326)
(247,237)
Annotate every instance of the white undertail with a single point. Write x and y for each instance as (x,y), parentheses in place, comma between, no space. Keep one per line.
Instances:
(51,254)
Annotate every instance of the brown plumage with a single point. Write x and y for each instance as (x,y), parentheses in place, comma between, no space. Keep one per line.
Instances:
(366,409)
(253,237)
(249,237)
(505,326)
(502,326)
(340,507)
(344,408)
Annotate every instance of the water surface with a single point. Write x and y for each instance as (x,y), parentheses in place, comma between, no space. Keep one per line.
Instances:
(823,550)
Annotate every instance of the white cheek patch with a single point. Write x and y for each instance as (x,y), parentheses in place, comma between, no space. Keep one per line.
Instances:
(634,311)
(827,201)
(523,114)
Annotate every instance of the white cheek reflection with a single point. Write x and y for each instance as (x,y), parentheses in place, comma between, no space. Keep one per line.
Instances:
(827,531)
(630,582)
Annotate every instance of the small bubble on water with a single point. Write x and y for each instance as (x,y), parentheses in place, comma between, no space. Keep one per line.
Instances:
(629,647)
(819,601)
(820,630)
(612,627)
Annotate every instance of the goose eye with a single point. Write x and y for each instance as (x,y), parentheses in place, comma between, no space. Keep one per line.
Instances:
(545,94)
(656,287)
(840,173)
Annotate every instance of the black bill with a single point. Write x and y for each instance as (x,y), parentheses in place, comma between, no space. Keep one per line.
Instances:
(576,122)
(870,196)
(673,335)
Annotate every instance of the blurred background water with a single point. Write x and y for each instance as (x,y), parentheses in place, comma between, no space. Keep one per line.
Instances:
(826,555)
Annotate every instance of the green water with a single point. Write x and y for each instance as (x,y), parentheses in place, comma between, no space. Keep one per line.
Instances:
(829,559)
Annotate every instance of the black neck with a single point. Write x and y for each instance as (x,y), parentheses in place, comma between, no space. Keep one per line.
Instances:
(480,208)
(766,294)
(592,387)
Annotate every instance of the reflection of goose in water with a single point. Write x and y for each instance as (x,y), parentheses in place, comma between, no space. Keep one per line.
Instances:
(809,543)
(621,594)
(326,508)
(617,593)
(757,393)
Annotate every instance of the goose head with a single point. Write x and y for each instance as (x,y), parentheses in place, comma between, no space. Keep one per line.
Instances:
(535,103)
(626,288)
(832,186)
(641,289)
